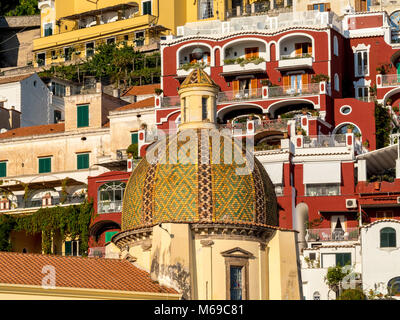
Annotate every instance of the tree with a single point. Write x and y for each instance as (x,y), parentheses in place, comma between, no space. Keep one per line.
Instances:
(335,276)
(382,126)
(25,8)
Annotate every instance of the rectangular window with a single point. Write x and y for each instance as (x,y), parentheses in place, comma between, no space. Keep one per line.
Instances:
(67,53)
(146,7)
(328,189)
(362,63)
(362,93)
(48,29)
(58,89)
(236,287)
(57,116)
(134,138)
(343,259)
(3,169)
(44,165)
(110,40)
(83,116)
(139,38)
(206,10)
(41,59)
(72,248)
(204,108)
(89,49)
(109,235)
(82,161)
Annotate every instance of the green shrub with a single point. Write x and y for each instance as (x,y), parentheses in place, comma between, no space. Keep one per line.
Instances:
(133,150)
(352,294)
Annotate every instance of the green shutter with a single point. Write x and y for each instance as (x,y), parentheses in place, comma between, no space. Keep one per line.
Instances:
(109,235)
(83,116)
(83,161)
(68,248)
(343,259)
(3,169)
(134,138)
(388,238)
(44,165)
(147,7)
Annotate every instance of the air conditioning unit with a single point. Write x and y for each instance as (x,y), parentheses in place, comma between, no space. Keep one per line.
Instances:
(351,203)
(398,200)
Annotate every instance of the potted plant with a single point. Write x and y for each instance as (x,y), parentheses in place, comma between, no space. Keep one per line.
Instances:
(132,151)
(304,111)
(158,91)
(350,128)
(389,102)
(366,143)
(299,131)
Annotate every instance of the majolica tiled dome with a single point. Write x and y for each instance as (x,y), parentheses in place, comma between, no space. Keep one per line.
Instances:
(200,191)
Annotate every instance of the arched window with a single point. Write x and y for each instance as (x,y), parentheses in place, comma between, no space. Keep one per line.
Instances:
(394,287)
(388,238)
(335,46)
(336,82)
(110,197)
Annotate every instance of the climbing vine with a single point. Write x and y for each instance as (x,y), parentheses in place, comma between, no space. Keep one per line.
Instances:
(70,221)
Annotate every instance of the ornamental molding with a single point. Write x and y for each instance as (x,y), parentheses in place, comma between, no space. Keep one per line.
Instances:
(362,83)
(361,47)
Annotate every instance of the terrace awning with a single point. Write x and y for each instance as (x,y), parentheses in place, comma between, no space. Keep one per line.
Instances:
(38,185)
(381,159)
(321,172)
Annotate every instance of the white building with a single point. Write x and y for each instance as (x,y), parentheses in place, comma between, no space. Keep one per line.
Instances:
(28,95)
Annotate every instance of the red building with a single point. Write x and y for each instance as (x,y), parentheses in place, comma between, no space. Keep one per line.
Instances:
(304,85)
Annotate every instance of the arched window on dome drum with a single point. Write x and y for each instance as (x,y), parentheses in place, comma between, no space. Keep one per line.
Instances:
(388,238)
(110,197)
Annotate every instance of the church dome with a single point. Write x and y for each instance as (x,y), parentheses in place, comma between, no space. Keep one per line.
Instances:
(204,189)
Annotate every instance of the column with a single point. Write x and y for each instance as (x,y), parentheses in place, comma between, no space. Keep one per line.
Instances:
(207,283)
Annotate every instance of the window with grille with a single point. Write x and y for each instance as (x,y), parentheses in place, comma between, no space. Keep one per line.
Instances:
(110,197)
(206,10)
(204,108)
(72,248)
(48,29)
(328,189)
(236,286)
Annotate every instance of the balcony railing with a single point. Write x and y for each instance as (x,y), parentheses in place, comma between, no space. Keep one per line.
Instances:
(296,56)
(55,201)
(272,125)
(97,252)
(241,95)
(350,234)
(306,89)
(389,80)
(321,141)
(261,23)
(109,206)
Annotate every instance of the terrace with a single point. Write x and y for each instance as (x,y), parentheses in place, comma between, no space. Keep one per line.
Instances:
(350,234)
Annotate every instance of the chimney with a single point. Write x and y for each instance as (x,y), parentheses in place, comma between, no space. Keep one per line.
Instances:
(15,118)
(116,93)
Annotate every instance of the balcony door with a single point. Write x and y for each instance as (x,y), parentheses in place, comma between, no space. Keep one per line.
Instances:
(303,49)
(295,83)
(245,87)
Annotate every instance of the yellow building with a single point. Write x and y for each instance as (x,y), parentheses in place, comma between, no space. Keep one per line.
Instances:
(207,227)
(71,30)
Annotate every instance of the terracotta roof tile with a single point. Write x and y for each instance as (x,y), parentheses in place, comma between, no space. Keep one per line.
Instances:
(33,131)
(4,80)
(77,272)
(141,90)
(146,103)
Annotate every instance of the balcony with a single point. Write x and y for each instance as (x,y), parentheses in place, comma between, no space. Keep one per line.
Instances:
(109,207)
(22,204)
(390,80)
(350,234)
(302,61)
(230,69)
(241,95)
(103,30)
(321,141)
(97,252)
(282,92)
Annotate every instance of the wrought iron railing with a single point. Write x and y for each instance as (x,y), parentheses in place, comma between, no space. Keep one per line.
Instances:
(109,206)
(389,80)
(286,91)
(350,234)
(240,95)
(97,252)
